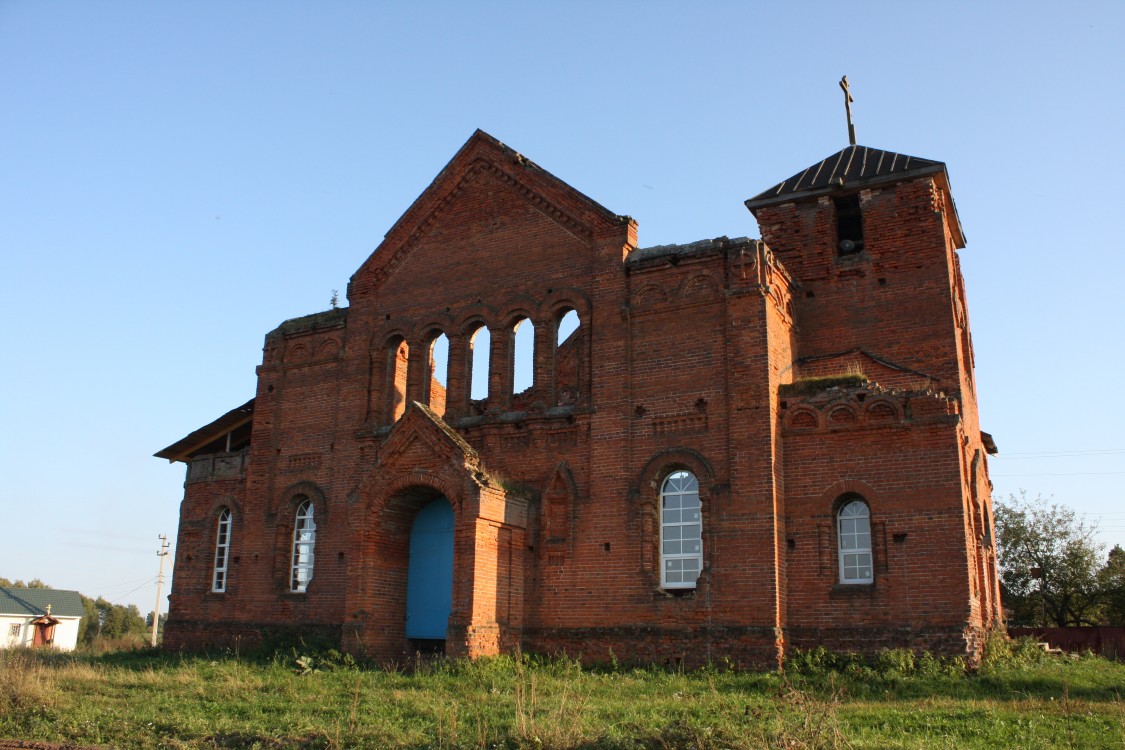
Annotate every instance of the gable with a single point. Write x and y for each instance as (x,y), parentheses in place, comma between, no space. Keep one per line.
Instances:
(489,189)
(421,440)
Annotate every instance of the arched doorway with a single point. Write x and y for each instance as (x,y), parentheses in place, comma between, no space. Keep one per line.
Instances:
(429,583)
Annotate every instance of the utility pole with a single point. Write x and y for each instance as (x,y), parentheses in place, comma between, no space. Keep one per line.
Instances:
(161,553)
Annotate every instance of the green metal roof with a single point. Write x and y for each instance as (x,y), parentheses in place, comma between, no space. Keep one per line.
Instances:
(33,602)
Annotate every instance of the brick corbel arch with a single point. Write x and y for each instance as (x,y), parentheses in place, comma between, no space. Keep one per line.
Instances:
(224,501)
(519,306)
(566,298)
(804,413)
(434,326)
(469,318)
(880,405)
(375,491)
(390,331)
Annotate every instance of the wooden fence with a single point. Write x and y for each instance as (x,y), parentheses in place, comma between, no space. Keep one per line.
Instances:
(1107,641)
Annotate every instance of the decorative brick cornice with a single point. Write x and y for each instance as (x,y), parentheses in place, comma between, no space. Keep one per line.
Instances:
(867,405)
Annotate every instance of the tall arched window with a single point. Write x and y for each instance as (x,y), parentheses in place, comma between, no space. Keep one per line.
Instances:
(681,531)
(480,348)
(397,366)
(304,540)
(568,357)
(853,536)
(439,374)
(523,355)
(222,552)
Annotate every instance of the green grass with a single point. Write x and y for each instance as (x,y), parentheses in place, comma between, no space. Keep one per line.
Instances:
(147,699)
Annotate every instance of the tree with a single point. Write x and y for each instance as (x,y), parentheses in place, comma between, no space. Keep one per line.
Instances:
(1049,563)
(34,583)
(90,623)
(159,627)
(1111,580)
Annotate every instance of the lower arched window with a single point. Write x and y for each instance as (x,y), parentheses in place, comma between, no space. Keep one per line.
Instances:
(681,531)
(304,541)
(853,536)
(222,552)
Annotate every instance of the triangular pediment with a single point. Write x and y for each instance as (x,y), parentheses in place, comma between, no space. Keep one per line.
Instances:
(483,159)
(422,440)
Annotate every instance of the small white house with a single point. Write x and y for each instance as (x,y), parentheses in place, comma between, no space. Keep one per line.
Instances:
(39,617)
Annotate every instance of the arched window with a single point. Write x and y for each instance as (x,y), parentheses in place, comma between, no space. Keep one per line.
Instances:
(523,355)
(398,362)
(304,540)
(222,552)
(681,537)
(568,357)
(439,374)
(853,536)
(480,348)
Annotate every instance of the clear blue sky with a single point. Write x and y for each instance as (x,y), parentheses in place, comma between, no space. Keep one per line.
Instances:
(177,178)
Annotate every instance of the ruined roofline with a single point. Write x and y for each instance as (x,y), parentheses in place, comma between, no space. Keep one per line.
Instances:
(181,449)
(697,248)
(333,318)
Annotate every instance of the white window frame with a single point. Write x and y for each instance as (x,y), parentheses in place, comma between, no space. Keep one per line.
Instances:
(304,547)
(222,552)
(853,542)
(681,528)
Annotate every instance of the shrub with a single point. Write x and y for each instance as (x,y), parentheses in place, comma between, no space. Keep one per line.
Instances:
(1002,652)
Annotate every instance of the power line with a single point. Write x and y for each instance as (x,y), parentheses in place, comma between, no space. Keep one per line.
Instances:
(1060,454)
(146,583)
(1063,474)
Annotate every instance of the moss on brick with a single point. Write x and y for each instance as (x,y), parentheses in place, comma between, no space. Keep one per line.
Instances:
(327,319)
(809,386)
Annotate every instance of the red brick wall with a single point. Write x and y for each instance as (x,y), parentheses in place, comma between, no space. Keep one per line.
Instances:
(677,365)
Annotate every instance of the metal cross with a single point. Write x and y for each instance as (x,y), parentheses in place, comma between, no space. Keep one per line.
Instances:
(848,107)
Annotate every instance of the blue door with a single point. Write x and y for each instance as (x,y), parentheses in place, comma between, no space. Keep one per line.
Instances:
(429,585)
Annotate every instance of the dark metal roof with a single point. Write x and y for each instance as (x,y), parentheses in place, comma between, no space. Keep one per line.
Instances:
(855,166)
(33,602)
(181,449)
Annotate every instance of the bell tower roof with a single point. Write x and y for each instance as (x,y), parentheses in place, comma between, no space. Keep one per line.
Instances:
(853,167)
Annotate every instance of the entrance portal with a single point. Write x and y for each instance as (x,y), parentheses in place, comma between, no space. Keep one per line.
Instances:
(429,584)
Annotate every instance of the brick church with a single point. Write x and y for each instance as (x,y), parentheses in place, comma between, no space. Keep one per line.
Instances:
(527,431)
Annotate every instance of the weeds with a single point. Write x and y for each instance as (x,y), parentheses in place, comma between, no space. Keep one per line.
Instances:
(1001,652)
(549,712)
(307,699)
(26,685)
